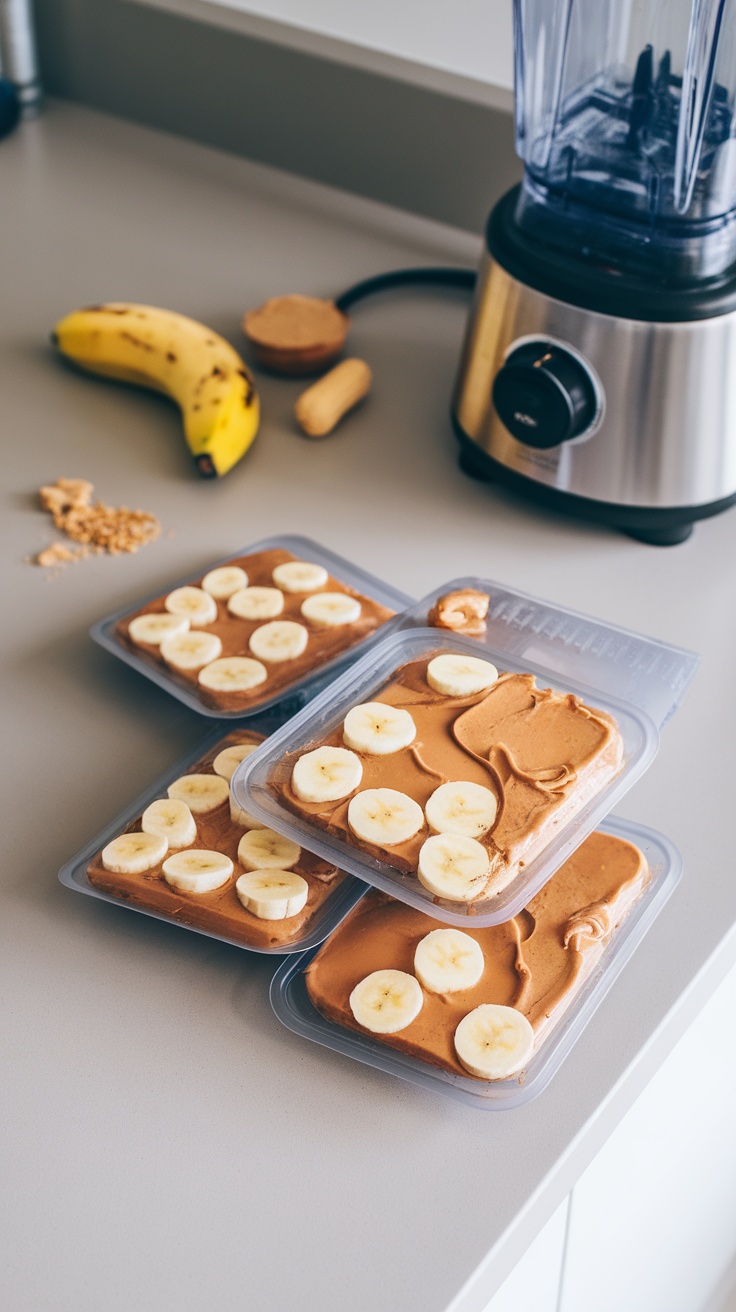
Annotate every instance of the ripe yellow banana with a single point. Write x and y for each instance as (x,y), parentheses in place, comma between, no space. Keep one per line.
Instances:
(178,356)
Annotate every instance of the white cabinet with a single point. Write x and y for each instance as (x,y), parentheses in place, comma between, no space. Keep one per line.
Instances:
(652,1224)
(534,1283)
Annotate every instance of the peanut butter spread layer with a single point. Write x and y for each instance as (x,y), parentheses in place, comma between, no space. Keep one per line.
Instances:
(324,641)
(543,754)
(220,911)
(536,962)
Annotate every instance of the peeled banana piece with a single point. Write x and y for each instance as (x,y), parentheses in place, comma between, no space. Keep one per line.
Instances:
(187,361)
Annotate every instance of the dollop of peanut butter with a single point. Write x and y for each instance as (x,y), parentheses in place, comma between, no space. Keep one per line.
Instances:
(463,611)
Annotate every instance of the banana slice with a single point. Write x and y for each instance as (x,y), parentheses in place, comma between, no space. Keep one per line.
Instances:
(198,606)
(447,961)
(256,603)
(384,816)
(197,871)
(170,819)
(232,674)
(453,867)
(131,854)
(456,675)
(494,1042)
(188,651)
(326,775)
(201,792)
(244,818)
(331,609)
(272,894)
(461,808)
(221,583)
(227,761)
(156,626)
(264,849)
(378,729)
(386,1001)
(281,640)
(300,576)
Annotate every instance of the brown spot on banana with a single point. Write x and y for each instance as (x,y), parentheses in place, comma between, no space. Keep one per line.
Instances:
(136,341)
(249,389)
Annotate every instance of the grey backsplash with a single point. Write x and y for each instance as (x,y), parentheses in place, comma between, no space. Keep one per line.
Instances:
(426,151)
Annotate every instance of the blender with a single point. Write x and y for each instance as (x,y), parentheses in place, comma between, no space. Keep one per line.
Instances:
(599,368)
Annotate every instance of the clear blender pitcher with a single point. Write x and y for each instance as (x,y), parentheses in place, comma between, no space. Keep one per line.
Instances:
(625,123)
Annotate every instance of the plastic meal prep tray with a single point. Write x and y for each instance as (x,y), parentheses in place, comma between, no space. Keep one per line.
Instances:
(74,874)
(104,631)
(631,677)
(291,1003)
(254,777)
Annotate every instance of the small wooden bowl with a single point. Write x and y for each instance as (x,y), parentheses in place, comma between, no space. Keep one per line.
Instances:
(296,334)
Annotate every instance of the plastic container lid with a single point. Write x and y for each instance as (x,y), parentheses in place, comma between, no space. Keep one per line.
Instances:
(643,671)
(292,1005)
(74,874)
(103,632)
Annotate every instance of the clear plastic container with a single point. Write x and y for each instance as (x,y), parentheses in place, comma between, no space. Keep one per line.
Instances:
(104,631)
(640,680)
(292,1005)
(254,777)
(74,874)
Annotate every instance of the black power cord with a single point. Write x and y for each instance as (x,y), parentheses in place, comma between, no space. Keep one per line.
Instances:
(9,107)
(434,276)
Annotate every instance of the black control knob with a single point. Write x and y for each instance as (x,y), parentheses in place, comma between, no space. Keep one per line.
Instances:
(544,395)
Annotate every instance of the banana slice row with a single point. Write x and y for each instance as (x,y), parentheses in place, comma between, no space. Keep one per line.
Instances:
(453,863)
(492,1042)
(192,608)
(269,887)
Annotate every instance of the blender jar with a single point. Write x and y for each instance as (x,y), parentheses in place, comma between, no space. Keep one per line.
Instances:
(625,123)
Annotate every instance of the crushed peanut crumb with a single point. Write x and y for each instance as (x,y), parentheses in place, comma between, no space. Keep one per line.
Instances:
(97,527)
(56,554)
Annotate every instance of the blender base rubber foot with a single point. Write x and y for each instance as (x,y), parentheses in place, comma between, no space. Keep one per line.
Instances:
(661,537)
(473,466)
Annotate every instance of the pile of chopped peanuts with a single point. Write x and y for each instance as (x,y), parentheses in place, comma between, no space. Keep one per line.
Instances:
(95,527)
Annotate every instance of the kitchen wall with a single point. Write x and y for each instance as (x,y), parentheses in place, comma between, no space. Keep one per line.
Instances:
(336,113)
(470,37)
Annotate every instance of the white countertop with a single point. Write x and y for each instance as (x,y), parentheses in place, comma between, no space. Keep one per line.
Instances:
(170,1145)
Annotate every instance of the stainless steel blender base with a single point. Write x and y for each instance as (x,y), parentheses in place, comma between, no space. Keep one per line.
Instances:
(662,445)
(661,527)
